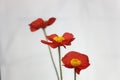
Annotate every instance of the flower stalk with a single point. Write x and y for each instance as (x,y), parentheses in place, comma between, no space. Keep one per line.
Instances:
(45,34)
(74,74)
(60,66)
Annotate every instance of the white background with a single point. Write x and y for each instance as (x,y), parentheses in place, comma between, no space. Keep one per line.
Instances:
(94,23)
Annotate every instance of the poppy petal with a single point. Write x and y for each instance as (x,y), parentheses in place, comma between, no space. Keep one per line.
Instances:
(77,70)
(51,21)
(66,61)
(33,29)
(68,66)
(53,45)
(68,36)
(83,66)
(51,37)
(35,25)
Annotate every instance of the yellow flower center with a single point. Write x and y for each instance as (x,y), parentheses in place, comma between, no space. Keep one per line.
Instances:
(58,39)
(75,62)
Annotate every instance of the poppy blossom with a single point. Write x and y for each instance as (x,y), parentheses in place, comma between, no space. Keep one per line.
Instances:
(56,41)
(76,60)
(40,23)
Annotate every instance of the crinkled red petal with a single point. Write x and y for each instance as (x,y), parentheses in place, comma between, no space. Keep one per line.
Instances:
(51,37)
(51,44)
(51,21)
(33,29)
(77,70)
(84,65)
(66,61)
(68,66)
(35,25)
(68,38)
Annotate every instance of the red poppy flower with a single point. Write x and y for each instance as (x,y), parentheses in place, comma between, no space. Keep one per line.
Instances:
(56,40)
(76,60)
(40,23)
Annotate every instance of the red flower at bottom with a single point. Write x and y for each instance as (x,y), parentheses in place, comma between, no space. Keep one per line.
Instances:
(76,60)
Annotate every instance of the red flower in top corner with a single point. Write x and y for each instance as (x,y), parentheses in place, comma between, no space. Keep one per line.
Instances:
(76,60)
(56,41)
(40,23)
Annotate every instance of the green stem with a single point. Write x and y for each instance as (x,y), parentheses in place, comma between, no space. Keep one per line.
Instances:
(45,34)
(60,66)
(74,74)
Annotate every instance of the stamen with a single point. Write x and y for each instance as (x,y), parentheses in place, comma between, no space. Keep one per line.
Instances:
(58,39)
(75,62)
